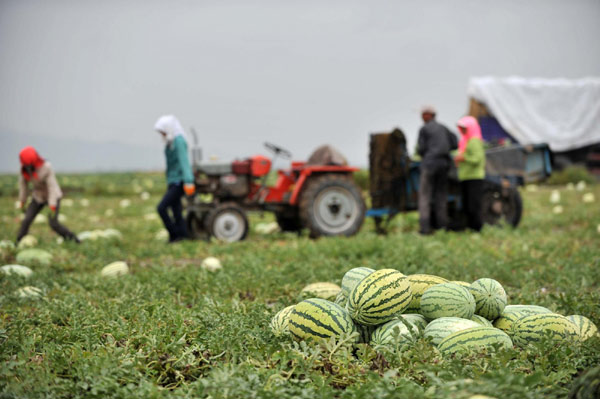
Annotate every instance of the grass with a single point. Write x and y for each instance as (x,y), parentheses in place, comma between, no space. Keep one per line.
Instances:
(171,329)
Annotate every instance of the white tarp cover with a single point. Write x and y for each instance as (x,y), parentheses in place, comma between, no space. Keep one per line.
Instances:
(563,113)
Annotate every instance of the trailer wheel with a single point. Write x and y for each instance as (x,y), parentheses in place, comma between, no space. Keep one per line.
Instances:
(332,205)
(227,222)
(498,205)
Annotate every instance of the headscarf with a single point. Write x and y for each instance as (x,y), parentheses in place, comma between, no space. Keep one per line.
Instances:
(473,132)
(170,125)
(30,162)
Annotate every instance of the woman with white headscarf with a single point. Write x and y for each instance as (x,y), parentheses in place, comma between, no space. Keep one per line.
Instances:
(180,179)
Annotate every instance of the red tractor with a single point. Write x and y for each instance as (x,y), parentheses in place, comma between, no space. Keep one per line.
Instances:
(321,198)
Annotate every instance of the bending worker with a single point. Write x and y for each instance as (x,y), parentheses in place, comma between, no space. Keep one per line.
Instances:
(46,191)
(471,169)
(434,145)
(180,179)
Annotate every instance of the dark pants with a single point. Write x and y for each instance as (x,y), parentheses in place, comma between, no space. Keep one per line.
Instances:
(472,191)
(433,191)
(175,225)
(32,210)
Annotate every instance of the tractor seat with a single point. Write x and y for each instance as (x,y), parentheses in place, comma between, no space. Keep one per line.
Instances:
(214,168)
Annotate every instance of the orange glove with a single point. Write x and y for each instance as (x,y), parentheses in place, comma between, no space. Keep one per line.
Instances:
(189,189)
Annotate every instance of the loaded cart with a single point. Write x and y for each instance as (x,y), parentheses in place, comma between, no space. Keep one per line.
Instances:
(322,198)
(394,181)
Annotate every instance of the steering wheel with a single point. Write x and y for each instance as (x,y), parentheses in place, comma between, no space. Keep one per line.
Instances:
(278,150)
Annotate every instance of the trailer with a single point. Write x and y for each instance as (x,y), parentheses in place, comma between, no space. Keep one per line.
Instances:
(394,182)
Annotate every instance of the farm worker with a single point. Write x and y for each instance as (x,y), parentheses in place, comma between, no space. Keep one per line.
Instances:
(434,144)
(180,179)
(46,191)
(470,160)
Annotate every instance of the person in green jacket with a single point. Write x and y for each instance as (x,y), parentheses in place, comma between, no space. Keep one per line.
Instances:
(180,179)
(470,161)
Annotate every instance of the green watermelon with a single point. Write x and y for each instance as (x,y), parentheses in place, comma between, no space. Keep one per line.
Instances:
(481,320)
(279,322)
(322,290)
(316,318)
(400,329)
(474,339)
(418,284)
(534,327)
(353,277)
(341,299)
(34,256)
(379,297)
(365,333)
(418,320)
(512,313)
(585,327)
(587,385)
(447,300)
(440,328)
(490,298)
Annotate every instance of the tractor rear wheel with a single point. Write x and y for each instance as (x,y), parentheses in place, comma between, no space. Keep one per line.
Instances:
(332,205)
(227,222)
(498,204)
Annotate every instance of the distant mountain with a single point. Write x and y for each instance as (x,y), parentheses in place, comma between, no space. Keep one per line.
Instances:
(78,155)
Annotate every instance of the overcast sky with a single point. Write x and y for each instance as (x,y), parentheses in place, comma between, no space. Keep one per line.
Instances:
(297,73)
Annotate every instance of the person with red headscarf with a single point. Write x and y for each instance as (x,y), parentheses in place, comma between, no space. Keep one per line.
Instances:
(470,160)
(46,191)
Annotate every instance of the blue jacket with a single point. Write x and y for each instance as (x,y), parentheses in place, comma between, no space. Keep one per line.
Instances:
(178,163)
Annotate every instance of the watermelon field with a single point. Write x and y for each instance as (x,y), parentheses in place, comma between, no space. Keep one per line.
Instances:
(170,328)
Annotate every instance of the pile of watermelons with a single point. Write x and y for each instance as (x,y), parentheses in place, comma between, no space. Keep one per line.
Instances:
(385,308)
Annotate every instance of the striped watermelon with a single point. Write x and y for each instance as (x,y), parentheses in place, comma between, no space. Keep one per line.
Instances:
(321,290)
(447,300)
(527,309)
(416,319)
(279,322)
(418,284)
(364,332)
(534,327)
(474,339)
(481,320)
(463,283)
(512,313)
(440,328)
(490,298)
(318,318)
(353,277)
(585,327)
(379,297)
(29,292)
(400,329)
(115,269)
(34,256)
(341,299)
(587,385)
(17,270)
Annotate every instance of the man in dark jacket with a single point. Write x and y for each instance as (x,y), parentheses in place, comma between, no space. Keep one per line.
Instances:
(434,145)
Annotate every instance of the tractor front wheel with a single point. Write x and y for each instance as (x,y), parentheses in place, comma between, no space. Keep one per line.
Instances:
(227,222)
(196,226)
(331,205)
